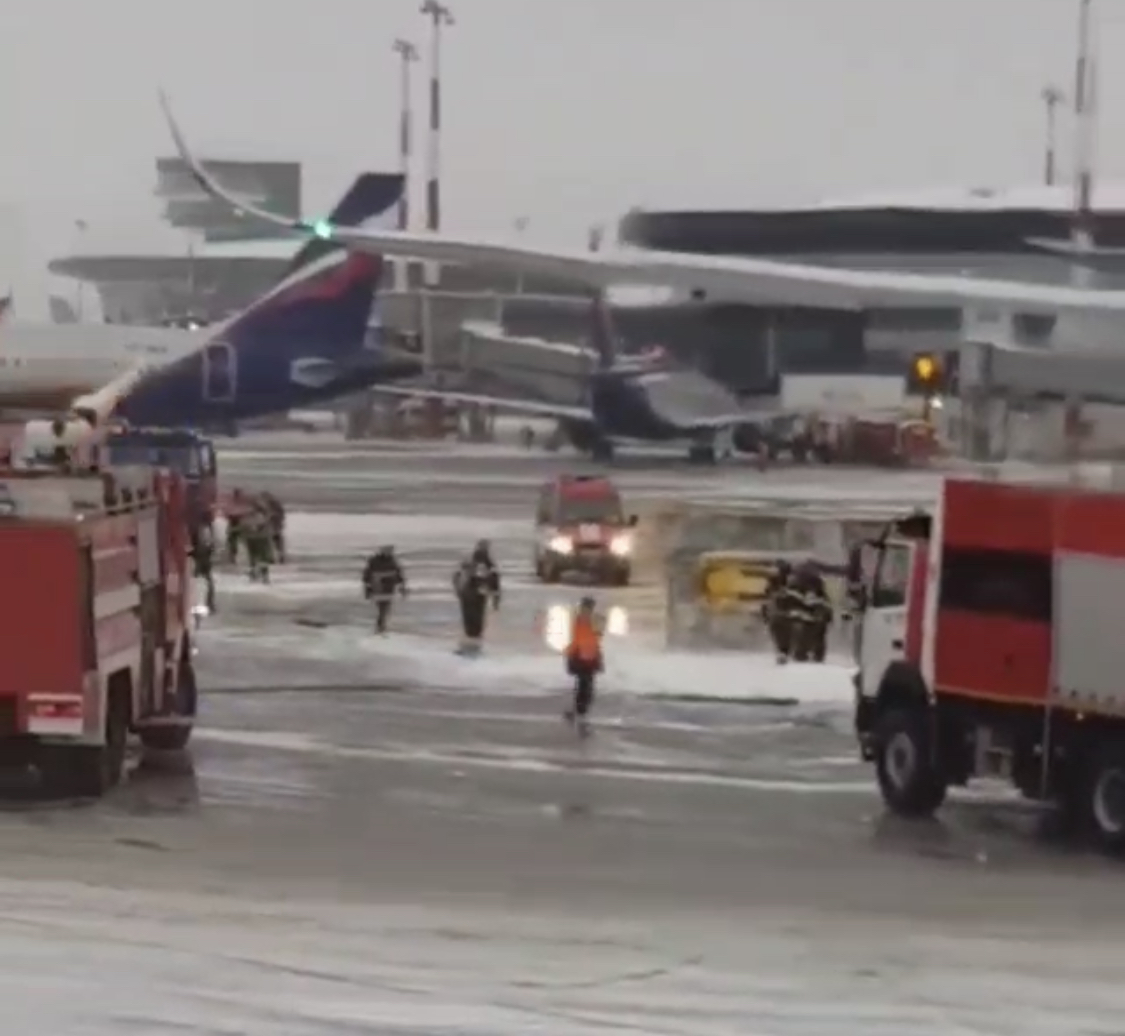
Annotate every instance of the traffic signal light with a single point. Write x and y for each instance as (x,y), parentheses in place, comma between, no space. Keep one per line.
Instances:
(927,370)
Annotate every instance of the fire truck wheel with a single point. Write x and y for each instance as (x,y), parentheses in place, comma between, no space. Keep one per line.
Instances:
(908,780)
(175,739)
(1107,800)
(88,771)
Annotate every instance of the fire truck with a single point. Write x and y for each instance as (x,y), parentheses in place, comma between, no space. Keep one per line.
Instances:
(185,452)
(990,644)
(96,613)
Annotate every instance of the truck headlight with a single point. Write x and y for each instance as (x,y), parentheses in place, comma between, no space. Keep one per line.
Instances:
(560,545)
(621,546)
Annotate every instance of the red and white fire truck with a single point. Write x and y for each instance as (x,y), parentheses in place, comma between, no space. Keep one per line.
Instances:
(991,643)
(96,613)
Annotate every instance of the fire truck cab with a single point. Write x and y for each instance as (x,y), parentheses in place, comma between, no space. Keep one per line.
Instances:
(185,452)
(97,616)
(989,643)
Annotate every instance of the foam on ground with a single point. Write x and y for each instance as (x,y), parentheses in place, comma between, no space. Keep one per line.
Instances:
(729,677)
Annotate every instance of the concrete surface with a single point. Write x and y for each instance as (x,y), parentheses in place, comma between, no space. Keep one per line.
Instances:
(380,855)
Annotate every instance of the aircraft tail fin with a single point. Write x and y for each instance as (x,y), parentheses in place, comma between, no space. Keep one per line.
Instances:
(370,196)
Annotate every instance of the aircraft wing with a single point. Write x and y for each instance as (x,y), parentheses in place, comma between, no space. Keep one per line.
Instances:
(98,406)
(530,407)
(730,278)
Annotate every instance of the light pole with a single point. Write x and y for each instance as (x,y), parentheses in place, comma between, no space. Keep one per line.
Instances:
(1052,97)
(520,226)
(408,54)
(80,228)
(440,16)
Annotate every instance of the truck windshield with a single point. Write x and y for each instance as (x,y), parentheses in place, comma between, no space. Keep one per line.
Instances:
(186,459)
(601,509)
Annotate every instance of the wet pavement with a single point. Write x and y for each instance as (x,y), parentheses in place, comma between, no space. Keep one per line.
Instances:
(331,766)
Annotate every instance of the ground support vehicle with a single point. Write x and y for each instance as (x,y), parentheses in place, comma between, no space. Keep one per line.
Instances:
(97,619)
(581,529)
(990,643)
(185,452)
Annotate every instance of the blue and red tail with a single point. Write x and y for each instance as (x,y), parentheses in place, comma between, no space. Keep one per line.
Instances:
(300,340)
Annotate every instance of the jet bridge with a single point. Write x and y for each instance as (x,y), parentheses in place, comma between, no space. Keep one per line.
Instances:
(1042,374)
(1048,386)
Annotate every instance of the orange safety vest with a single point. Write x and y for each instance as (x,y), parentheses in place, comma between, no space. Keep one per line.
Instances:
(585,641)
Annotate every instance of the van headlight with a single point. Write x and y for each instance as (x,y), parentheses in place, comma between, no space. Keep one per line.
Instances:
(621,546)
(560,545)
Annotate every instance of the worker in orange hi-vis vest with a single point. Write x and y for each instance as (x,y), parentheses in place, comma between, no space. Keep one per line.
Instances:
(584,659)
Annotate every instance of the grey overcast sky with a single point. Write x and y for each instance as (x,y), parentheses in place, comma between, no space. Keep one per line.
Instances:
(566,111)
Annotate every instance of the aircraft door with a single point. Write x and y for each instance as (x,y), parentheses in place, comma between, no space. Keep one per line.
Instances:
(220,373)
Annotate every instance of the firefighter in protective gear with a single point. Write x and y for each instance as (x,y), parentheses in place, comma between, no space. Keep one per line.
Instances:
(812,614)
(237,511)
(777,609)
(382,579)
(203,558)
(584,658)
(275,512)
(259,544)
(476,582)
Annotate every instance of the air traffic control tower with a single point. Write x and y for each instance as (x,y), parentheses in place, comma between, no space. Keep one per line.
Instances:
(224,260)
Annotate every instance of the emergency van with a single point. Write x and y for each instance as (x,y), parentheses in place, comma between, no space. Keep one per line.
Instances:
(581,528)
(990,644)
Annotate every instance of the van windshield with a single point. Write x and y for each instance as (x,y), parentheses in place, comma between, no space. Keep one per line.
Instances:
(603,509)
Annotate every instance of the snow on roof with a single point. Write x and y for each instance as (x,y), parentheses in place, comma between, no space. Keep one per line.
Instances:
(1108,197)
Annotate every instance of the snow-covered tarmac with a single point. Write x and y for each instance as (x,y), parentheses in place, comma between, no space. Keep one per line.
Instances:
(372,835)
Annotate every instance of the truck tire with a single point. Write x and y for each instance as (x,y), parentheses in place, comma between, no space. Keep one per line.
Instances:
(910,784)
(89,771)
(1106,798)
(176,738)
(166,739)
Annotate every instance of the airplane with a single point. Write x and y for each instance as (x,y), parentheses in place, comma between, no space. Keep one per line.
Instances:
(733,278)
(302,342)
(643,397)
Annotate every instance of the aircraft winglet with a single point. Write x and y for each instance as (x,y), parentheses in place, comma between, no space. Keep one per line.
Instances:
(216,190)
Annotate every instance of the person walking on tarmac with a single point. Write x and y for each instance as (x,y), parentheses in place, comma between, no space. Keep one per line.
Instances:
(237,510)
(476,581)
(259,544)
(812,614)
(203,557)
(584,660)
(275,511)
(382,578)
(777,610)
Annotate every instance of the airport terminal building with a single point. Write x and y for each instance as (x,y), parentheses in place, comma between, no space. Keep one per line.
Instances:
(979,232)
(223,262)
